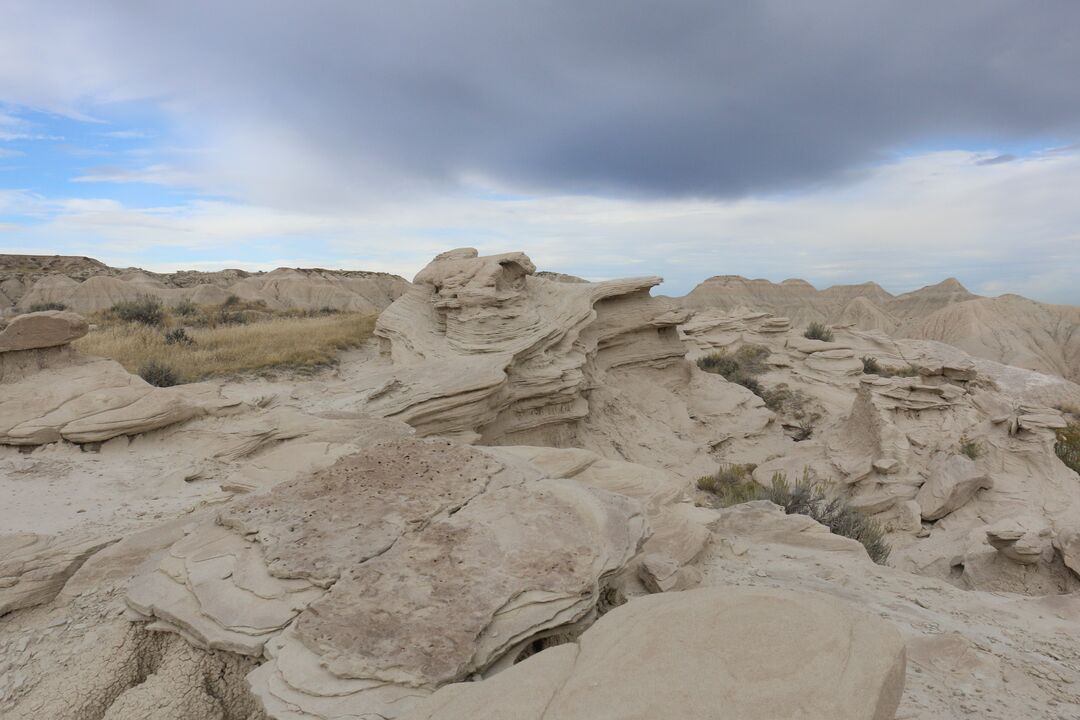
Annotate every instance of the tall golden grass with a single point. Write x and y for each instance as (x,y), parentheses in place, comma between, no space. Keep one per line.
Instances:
(283,342)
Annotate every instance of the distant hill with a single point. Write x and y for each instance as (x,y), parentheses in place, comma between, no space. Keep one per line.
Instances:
(1009,329)
(86,285)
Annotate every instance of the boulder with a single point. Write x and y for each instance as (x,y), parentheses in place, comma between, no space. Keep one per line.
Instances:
(41,330)
(772,655)
(953,480)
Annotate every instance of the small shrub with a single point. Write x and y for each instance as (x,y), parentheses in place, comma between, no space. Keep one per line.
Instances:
(733,484)
(738,367)
(178,336)
(783,400)
(231,301)
(871,366)
(805,428)
(40,307)
(145,310)
(1067,446)
(818,331)
(158,374)
(972,448)
(185,308)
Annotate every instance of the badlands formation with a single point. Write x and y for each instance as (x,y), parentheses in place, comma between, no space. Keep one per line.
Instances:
(85,285)
(492,512)
(1009,329)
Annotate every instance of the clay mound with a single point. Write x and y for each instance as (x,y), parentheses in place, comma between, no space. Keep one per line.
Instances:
(1009,329)
(862,313)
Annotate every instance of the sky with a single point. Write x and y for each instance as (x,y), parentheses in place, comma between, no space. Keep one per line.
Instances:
(837,141)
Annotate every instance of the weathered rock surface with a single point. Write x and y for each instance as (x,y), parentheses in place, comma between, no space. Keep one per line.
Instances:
(34,568)
(784,655)
(87,399)
(484,349)
(952,481)
(366,561)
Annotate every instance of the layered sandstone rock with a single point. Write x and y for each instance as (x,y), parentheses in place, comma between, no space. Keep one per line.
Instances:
(483,349)
(34,568)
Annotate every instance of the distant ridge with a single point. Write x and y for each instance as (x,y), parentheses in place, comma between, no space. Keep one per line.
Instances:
(87,285)
(1009,329)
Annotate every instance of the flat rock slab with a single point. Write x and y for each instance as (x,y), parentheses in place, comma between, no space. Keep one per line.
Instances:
(748,654)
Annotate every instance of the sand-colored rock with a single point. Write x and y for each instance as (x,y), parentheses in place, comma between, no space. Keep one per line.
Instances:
(44,329)
(288,554)
(86,399)
(34,568)
(785,655)
(952,481)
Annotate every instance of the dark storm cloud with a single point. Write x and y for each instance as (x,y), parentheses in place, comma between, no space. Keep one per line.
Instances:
(643,98)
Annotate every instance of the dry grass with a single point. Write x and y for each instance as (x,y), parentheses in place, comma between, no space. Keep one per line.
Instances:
(282,342)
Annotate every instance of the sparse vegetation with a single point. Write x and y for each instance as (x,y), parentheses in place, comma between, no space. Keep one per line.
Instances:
(178,336)
(40,307)
(279,342)
(146,310)
(158,374)
(1068,409)
(785,401)
(871,366)
(231,301)
(185,308)
(818,331)
(734,484)
(738,367)
(972,448)
(1067,446)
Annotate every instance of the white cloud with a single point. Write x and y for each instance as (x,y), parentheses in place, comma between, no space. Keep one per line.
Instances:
(158,174)
(1007,227)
